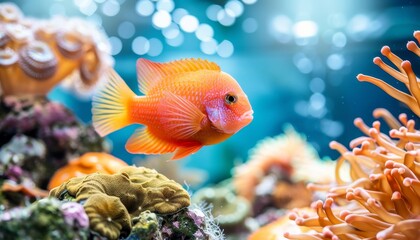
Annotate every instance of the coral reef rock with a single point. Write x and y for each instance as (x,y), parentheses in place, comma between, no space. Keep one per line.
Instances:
(112,201)
(45,219)
(44,134)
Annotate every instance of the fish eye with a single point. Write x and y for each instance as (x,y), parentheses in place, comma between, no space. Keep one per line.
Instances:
(230,98)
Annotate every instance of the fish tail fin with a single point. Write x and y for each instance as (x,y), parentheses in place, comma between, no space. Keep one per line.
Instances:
(110,106)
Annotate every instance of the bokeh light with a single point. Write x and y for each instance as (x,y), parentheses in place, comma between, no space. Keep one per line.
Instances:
(140,45)
(188,23)
(161,19)
(126,29)
(145,8)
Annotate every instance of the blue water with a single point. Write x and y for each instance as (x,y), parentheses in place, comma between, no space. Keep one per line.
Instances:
(296,60)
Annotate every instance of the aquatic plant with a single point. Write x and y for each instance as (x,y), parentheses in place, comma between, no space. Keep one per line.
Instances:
(35,54)
(45,219)
(384,171)
(111,201)
(90,162)
(48,124)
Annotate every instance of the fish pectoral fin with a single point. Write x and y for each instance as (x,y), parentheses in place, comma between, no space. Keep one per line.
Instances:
(143,141)
(181,117)
(182,152)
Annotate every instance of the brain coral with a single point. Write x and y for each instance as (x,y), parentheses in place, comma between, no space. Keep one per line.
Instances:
(111,201)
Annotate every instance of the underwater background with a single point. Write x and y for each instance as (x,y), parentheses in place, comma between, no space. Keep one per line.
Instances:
(296,60)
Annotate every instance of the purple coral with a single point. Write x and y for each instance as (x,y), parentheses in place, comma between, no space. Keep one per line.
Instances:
(75,215)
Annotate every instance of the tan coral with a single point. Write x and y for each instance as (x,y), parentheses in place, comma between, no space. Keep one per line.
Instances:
(382,199)
(137,189)
(91,162)
(35,54)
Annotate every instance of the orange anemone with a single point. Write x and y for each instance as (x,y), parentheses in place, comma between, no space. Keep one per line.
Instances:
(88,163)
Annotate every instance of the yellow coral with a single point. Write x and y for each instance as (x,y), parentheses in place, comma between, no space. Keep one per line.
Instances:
(123,196)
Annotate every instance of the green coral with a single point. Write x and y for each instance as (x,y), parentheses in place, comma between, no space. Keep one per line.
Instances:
(112,201)
(44,219)
(145,226)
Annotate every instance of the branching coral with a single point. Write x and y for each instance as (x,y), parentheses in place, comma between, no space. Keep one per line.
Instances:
(36,54)
(384,171)
(111,201)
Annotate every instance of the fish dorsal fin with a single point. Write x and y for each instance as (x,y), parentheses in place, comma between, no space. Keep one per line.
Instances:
(150,73)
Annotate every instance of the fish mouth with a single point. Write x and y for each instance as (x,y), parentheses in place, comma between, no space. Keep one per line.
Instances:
(247,116)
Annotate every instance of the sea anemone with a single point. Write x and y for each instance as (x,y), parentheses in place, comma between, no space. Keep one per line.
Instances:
(289,153)
(384,171)
(36,55)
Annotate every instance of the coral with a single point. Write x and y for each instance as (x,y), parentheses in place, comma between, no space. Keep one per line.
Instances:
(145,226)
(229,210)
(111,201)
(195,222)
(35,54)
(31,124)
(45,219)
(289,153)
(87,163)
(384,171)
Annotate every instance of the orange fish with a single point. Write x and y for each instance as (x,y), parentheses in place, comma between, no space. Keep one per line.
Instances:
(187,104)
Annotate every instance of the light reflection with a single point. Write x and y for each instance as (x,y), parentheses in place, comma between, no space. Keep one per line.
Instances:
(165,5)
(116,45)
(317,85)
(204,32)
(226,17)
(335,61)
(305,29)
(212,11)
(236,7)
(110,8)
(171,32)
(126,30)
(179,13)
(177,41)
(225,49)
(155,48)
(140,45)
(145,8)
(332,128)
(209,47)
(249,25)
(280,28)
(249,1)
(189,23)
(161,19)
(339,39)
